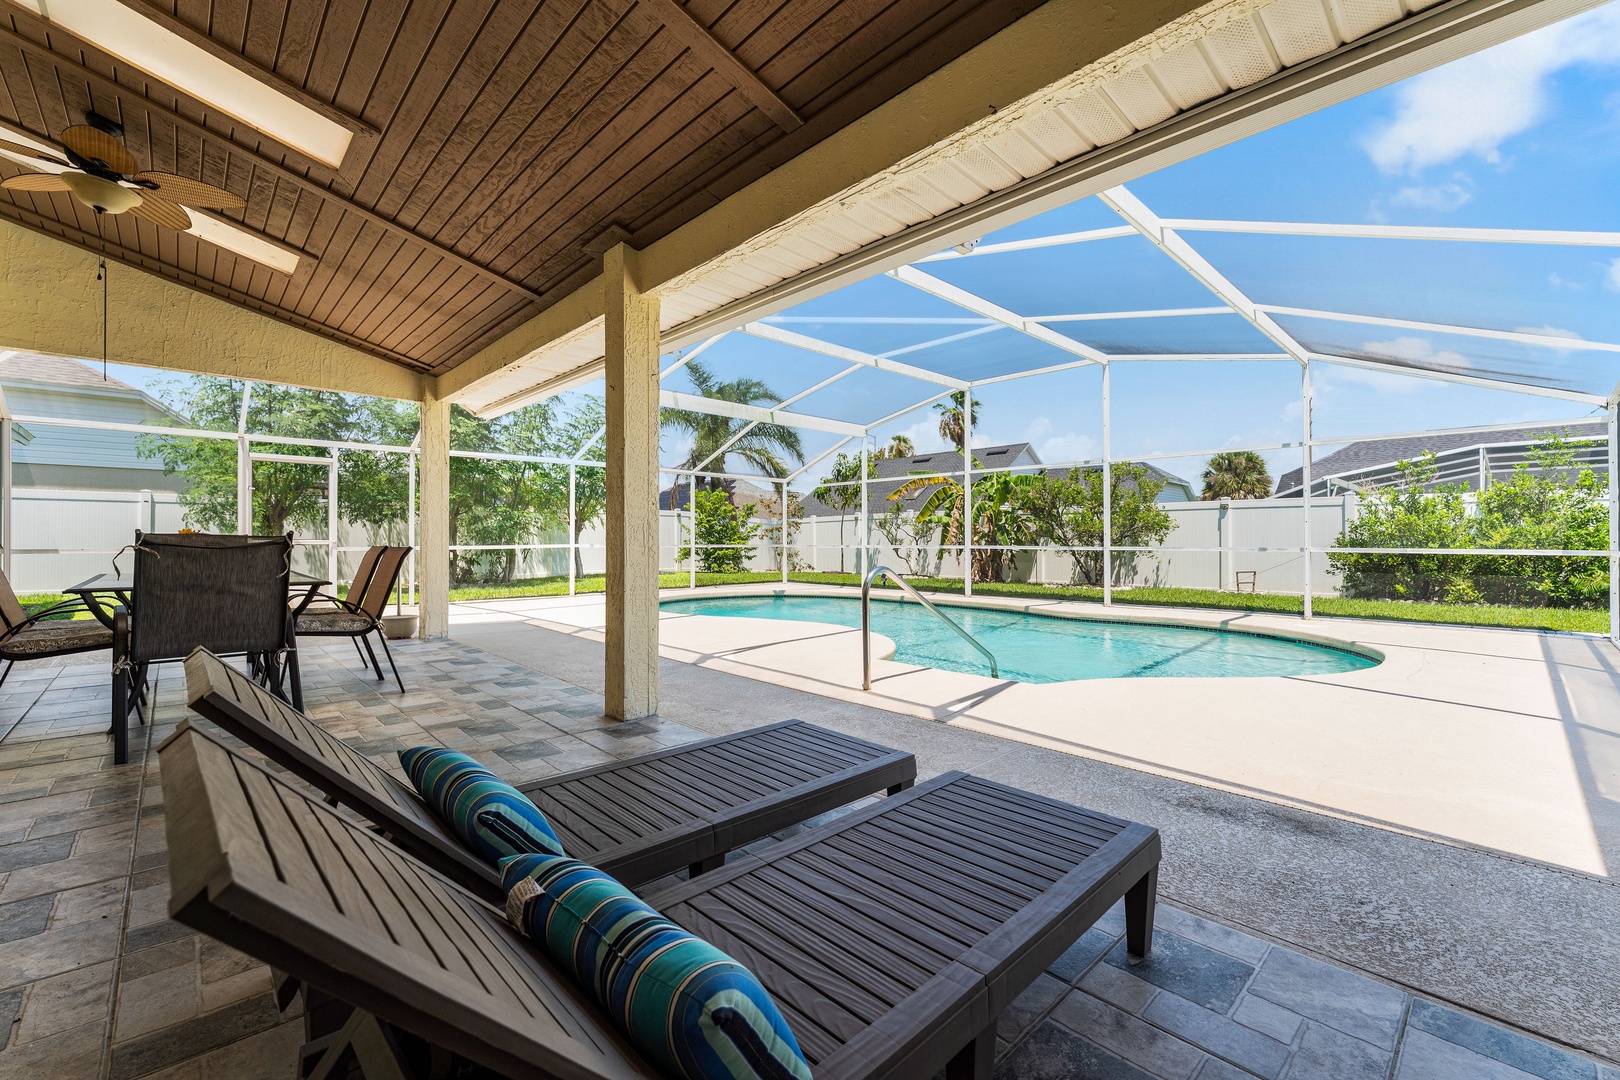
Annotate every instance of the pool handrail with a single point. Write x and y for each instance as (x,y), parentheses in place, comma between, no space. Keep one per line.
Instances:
(905,587)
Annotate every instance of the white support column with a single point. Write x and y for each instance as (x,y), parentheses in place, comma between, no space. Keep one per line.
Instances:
(784,517)
(434,528)
(1107,493)
(1305,477)
(1614,521)
(244,487)
(410,521)
(691,528)
(632,398)
(332,519)
(6,502)
(573,531)
(866,518)
(967,491)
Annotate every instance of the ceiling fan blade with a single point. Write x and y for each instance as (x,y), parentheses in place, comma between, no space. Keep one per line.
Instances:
(160,211)
(183,189)
(35,182)
(94,145)
(30,152)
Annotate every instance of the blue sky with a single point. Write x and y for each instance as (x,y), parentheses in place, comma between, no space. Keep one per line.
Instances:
(1525,135)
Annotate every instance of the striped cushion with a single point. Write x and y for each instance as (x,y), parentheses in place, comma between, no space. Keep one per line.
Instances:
(490,816)
(686,1005)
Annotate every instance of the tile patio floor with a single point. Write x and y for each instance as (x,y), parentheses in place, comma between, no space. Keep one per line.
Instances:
(95,981)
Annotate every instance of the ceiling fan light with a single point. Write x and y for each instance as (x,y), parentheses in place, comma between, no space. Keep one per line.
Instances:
(103,196)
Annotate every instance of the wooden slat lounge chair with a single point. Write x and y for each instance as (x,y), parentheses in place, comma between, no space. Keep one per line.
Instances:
(639,818)
(891,938)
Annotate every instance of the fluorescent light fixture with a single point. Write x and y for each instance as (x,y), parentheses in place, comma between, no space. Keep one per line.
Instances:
(243,243)
(125,33)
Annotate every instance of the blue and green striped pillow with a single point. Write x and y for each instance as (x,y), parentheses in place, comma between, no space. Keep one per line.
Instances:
(686,1005)
(490,816)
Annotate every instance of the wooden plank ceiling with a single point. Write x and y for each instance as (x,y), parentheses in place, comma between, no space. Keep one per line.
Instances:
(503,144)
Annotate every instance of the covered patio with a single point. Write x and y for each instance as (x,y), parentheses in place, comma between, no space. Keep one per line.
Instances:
(466,210)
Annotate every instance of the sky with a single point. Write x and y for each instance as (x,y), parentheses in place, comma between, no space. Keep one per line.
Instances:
(1525,135)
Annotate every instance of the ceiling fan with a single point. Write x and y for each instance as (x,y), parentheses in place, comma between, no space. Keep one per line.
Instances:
(104,176)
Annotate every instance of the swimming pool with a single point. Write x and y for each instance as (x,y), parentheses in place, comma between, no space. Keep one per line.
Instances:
(1044,648)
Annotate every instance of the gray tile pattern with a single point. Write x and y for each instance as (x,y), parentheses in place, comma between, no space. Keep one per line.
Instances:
(96,981)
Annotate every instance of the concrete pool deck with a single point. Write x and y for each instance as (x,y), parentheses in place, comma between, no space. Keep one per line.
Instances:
(1507,741)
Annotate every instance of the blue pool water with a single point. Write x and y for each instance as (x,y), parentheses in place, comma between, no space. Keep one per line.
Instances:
(1041,648)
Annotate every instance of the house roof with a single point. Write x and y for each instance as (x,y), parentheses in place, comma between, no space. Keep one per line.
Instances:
(895,473)
(1376,453)
(56,371)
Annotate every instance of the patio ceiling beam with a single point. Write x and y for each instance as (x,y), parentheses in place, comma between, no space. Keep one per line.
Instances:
(1569,237)
(766,332)
(944,290)
(784,403)
(1138,216)
(1550,340)
(712,51)
(715,407)
(1390,368)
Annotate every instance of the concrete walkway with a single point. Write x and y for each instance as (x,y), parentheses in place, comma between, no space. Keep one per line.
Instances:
(1525,942)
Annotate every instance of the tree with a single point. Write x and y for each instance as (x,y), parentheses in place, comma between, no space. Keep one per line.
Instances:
(908,535)
(767,447)
(900,446)
(723,533)
(1000,517)
(950,418)
(1067,509)
(1236,474)
(372,486)
(841,490)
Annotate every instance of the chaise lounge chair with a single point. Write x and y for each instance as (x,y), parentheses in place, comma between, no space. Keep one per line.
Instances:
(891,938)
(638,819)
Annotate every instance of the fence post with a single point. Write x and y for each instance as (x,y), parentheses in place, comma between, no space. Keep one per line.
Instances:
(573,532)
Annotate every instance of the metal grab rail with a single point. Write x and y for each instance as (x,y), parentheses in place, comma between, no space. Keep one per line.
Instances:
(905,586)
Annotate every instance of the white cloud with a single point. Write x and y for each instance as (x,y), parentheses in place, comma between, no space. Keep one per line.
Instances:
(1549,331)
(1611,280)
(1559,281)
(1444,197)
(1475,104)
(1418,350)
(1062,449)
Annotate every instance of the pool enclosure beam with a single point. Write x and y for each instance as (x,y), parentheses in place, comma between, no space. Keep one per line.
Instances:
(630,679)
(944,290)
(766,332)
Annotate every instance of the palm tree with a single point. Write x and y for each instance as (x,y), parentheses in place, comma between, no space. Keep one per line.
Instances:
(899,447)
(1236,474)
(764,446)
(950,418)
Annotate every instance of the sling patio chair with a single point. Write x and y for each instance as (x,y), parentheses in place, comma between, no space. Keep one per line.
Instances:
(890,939)
(225,593)
(45,632)
(359,614)
(637,818)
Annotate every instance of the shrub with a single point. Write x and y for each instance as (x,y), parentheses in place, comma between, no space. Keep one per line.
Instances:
(729,528)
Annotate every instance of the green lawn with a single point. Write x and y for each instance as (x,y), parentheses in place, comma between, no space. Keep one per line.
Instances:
(1585,620)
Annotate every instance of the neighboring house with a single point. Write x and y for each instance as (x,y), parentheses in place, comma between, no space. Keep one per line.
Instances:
(742,493)
(48,456)
(1471,460)
(895,473)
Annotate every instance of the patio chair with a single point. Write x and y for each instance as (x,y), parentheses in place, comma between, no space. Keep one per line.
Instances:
(891,939)
(225,593)
(638,819)
(44,633)
(359,614)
